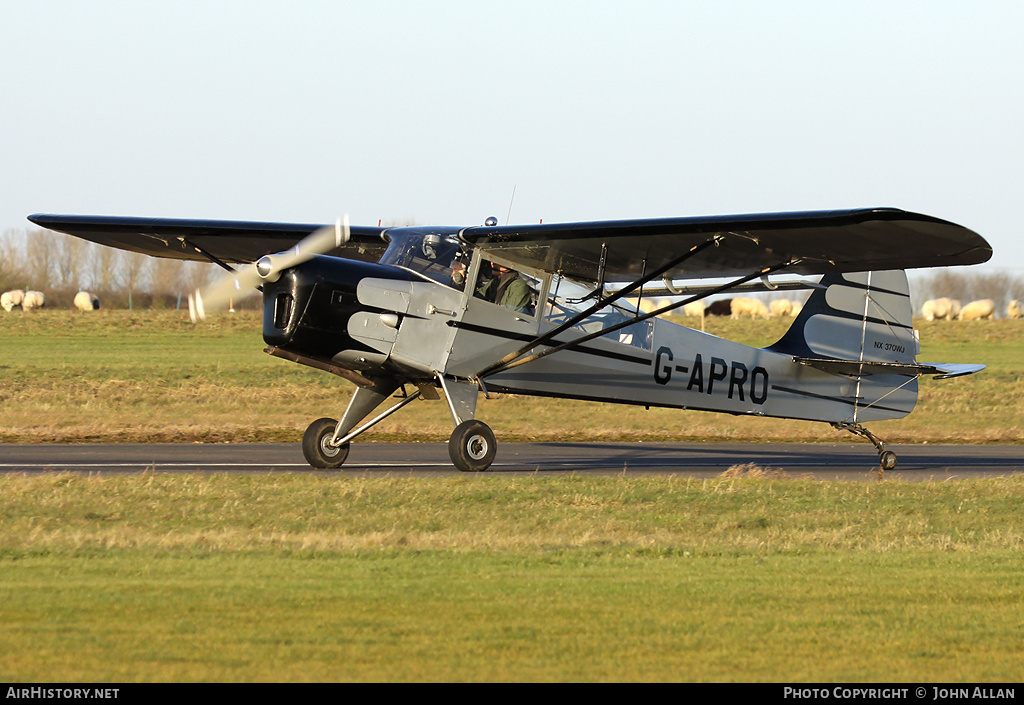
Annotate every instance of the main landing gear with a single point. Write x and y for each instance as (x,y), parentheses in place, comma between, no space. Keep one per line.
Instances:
(472,446)
(886,458)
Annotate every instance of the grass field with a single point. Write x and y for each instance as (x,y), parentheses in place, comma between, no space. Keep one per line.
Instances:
(153,376)
(483,578)
(299,577)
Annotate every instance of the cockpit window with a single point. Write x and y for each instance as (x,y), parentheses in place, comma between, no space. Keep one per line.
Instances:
(427,252)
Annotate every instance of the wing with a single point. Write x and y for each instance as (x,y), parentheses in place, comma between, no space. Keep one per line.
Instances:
(227,240)
(819,241)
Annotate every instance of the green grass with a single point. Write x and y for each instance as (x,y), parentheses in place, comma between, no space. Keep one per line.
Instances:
(457,618)
(309,578)
(293,577)
(153,376)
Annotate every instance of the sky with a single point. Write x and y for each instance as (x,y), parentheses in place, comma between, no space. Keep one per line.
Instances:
(450,112)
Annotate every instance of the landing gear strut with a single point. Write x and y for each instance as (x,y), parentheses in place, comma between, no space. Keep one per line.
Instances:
(886,458)
(471,446)
(326,441)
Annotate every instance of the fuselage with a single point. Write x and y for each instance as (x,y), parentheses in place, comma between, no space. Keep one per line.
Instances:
(421,313)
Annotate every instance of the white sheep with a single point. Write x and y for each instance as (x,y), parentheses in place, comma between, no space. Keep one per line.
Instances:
(84,301)
(977,310)
(781,307)
(797,308)
(10,299)
(1013,309)
(937,310)
(928,310)
(33,299)
(659,304)
(744,306)
(954,310)
(694,308)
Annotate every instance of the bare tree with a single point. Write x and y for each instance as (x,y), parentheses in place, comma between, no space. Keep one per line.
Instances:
(12,260)
(196,275)
(69,261)
(39,258)
(164,276)
(131,269)
(103,263)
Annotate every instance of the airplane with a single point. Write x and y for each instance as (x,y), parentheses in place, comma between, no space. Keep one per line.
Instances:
(542,309)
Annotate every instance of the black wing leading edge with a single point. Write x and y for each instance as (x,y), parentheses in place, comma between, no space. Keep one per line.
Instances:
(818,241)
(227,240)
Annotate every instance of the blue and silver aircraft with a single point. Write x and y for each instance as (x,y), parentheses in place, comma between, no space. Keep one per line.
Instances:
(453,312)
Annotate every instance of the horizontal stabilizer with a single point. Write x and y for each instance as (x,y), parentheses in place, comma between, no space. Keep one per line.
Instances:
(945,370)
(855,368)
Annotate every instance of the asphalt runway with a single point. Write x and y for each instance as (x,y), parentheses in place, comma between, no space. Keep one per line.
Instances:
(851,461)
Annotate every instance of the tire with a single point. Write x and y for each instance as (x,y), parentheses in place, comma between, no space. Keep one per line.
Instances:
(472,446)
(887,460)
(316,450)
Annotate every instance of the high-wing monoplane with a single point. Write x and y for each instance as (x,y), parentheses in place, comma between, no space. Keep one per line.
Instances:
(450,312)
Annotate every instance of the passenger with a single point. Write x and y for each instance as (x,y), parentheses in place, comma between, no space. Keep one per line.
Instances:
(486,282)
(513,291)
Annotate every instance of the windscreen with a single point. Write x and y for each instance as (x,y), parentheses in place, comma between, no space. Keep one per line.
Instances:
(431,253)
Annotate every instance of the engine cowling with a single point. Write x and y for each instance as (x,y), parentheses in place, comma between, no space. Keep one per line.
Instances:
(307,310)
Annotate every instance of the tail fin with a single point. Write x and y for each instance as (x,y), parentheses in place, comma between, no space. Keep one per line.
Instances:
(860,326)
(865,317)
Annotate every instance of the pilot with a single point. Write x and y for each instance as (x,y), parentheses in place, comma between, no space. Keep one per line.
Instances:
(512,290)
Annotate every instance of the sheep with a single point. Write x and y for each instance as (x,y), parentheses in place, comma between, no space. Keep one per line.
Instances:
(954,310)
(781,307)
(1013,309)
(84,301)
(33,299)
(647,305)
(977,310)
(937,310)
(694,308)
(928,310)
(797,308)
(744,306)
(719,308)
(10,299)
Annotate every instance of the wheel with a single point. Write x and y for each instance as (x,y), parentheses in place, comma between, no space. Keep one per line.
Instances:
(472,446)
(887,460)
(315,447)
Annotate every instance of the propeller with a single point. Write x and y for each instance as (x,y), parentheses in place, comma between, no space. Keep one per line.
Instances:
(267,268)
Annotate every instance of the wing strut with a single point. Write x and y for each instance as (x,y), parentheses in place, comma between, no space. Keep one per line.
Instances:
(602,303)
(504,367)
(207,255)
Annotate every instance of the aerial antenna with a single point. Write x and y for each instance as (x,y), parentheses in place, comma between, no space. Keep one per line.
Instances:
(511,200)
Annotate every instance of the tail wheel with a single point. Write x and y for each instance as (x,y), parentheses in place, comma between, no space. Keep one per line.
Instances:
(472,446)
(316,445)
